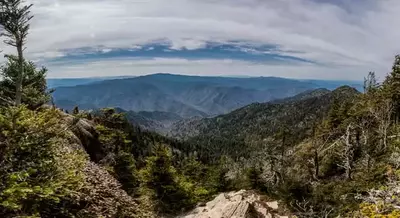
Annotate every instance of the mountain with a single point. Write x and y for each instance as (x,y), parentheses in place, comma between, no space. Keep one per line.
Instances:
(157,121)
(333,84)
(186,96)
(127,94)
(160,116)
(243,130)
(54,83)
(304,95)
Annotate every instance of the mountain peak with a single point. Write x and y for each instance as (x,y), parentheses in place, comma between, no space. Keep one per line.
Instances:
(345,91)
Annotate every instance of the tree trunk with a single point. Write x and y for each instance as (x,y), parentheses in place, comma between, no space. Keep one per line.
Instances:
(316,164)
(20,77)
(348,153)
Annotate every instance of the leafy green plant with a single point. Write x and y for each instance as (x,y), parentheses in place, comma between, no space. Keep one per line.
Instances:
(38,162)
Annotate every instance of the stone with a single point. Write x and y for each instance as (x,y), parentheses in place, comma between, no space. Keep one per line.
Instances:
(241,204)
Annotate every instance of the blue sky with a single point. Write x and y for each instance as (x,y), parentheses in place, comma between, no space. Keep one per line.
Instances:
(322,39)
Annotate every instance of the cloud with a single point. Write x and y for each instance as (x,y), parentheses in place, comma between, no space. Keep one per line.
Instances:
(343,38)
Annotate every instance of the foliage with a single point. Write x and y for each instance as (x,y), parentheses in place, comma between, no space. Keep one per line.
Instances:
(126,172)
(383,201)
(162,179)
(14,19)
(316,153)
(147,164)
(34,91)
(241,132)
(38,164)
(254,178)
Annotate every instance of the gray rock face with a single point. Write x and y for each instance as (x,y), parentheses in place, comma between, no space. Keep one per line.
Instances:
(241,204)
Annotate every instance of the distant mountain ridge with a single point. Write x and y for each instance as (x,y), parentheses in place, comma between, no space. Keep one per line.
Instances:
(186,96)
(65,82)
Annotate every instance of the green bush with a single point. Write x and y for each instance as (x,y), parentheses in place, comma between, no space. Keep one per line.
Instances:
(38,164)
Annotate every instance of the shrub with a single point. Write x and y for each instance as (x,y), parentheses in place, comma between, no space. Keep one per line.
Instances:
(38,164)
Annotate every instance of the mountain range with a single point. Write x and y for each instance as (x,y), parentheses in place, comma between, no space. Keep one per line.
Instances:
(185,96)
(63,82)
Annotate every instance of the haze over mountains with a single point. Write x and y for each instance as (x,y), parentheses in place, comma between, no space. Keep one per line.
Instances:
(61,82)
(182,96)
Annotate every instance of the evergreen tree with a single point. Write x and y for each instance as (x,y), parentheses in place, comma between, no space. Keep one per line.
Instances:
(125,170)
(34,92)
(370,83)
(392,87)
(75,111)
(254,178)
(160,177)
(14,18)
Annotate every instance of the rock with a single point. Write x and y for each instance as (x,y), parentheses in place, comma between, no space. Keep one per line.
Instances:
(104,197)
(273,205)
(241,204)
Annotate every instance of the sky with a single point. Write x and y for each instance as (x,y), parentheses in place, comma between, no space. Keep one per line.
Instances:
(308,39)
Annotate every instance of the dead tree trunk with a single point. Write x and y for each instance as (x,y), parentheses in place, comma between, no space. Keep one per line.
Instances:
(348,153)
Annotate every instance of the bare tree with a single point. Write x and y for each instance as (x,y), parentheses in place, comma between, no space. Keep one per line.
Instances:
(383,114)
(305,208)
(321,143)
(347,154)
(14,18)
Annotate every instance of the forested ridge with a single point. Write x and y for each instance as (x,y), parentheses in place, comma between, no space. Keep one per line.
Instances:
(320,154)
(242,131)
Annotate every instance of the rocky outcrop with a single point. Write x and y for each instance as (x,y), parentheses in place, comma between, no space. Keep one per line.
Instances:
(242,204)
(102,194)
(85,134)
(104,197)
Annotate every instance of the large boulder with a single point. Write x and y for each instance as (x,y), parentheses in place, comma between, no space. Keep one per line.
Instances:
(241,204)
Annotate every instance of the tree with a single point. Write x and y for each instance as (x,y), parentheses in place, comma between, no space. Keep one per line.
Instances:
(254,178)
(347,153)
(370,83)
(34,91)
(392,87)
(161,179)
(14,18)
(75,111)
(125,170)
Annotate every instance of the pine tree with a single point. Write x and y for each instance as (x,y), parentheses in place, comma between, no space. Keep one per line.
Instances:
(370,83)
(14,18)
(125,169)
(391,87)
(160,177)
(254,178)
(34,86)
(75,111)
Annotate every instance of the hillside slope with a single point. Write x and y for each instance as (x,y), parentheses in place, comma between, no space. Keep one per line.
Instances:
(156,121)
(237,133)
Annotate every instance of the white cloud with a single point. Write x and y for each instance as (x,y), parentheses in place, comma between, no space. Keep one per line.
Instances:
(353,36)
(106,50)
